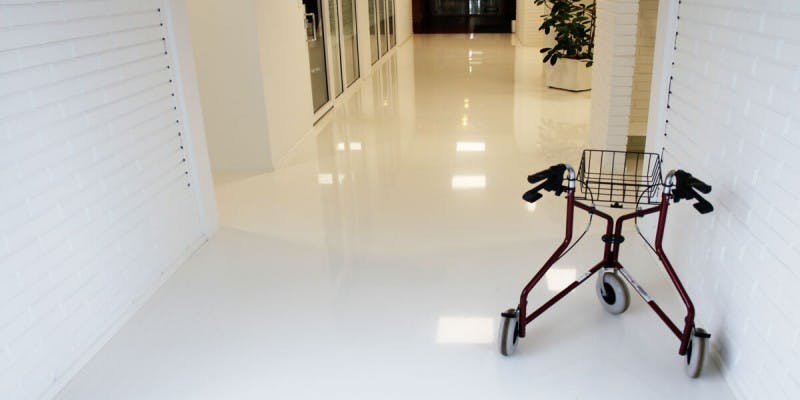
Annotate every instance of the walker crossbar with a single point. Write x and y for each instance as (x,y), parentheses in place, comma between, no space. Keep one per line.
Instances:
(678,185)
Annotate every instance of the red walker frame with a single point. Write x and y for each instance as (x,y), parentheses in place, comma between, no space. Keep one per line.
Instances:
(677,185)
(611,261)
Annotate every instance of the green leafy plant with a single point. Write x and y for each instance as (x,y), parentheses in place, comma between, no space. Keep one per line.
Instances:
(573,22)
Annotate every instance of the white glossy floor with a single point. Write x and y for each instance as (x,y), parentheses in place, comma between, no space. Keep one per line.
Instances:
(374,264)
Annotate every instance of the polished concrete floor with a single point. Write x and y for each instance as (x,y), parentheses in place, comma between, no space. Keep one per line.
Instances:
(374,263)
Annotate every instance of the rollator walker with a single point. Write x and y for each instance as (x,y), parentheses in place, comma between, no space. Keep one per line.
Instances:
(615,178)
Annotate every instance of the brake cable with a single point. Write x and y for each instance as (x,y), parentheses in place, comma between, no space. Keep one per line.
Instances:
(636,219)
(588,225)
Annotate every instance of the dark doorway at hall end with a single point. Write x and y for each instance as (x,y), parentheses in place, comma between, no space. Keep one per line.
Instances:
(463,16)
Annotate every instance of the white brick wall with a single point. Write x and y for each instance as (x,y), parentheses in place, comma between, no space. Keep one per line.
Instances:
(612,72)
(734,121)
(643,68)
(529,18)
(95,203)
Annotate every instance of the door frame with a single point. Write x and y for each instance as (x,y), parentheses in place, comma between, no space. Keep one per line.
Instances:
(332,95)
(357,58)
(389,46)
(325,108)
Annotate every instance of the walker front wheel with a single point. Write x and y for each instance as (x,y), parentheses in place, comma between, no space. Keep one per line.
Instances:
(696,352)
(612,292)
(507,337)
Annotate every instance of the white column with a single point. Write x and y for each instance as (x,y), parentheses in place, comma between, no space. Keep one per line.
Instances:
(529,18)
(643,69)
(612,74)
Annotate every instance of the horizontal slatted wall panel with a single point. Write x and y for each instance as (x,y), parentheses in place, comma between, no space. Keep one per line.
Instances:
(95,206)
(734,121)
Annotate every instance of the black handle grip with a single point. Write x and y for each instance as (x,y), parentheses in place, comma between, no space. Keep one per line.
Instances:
(555,172)
(552,178)
(685,186)
(539,176)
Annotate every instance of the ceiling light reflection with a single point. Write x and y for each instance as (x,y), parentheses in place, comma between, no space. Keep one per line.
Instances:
(355,146)
(468,181)
(464,147)
(465,330)
(327,179)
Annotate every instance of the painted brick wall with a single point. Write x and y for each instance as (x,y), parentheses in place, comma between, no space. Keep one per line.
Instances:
(612,72)
(734,121)
(643,68)
(95,203)
(529,18)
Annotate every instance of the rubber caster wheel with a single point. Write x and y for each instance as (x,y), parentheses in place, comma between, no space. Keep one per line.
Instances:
(507,337)
(696,352)
(612,292)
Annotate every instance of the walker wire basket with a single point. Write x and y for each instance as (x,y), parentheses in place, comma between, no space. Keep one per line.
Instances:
(619,177)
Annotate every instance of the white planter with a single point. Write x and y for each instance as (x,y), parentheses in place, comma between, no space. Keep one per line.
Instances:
(569,75)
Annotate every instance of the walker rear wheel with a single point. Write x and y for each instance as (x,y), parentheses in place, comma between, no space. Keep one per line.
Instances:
(507,337)
(695,352)
(612,292)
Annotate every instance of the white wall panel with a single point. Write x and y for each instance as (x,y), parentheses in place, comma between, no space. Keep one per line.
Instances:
(226,51)
(97,203)
(285,70)
(733,121)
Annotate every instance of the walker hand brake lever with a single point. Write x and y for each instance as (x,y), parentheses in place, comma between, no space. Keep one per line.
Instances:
(685,185)
(531,196)
(552,176)
(703,206)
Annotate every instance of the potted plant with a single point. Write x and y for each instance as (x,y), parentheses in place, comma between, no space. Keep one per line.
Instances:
(568,61)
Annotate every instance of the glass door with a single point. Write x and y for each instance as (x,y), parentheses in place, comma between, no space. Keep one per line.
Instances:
(336,47)
(390,19)
(373,31)
(315,37)
(382,32)
(349,42)
(382,28)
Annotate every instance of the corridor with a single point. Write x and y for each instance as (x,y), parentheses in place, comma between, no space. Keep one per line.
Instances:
(375,261)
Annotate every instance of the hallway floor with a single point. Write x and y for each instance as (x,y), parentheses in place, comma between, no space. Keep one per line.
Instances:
(374,263)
